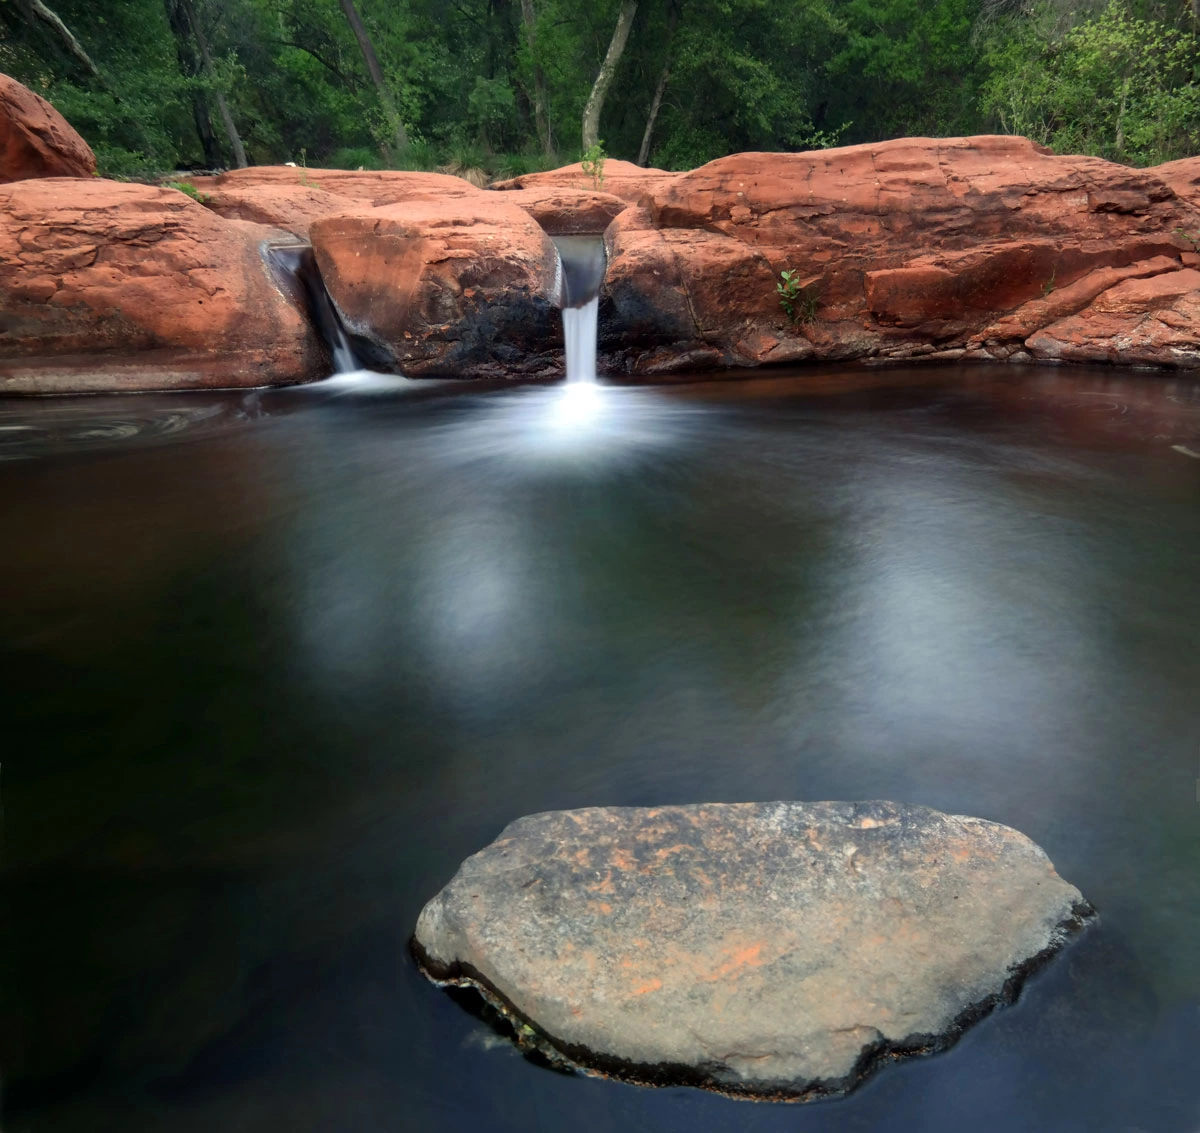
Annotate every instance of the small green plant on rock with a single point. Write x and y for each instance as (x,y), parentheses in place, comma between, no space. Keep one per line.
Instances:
(189,189)
(1049,286)
(304,178)
(593,164)
(798,302)
(1190,237)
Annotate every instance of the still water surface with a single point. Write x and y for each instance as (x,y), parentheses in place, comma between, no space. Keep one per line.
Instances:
(272,664)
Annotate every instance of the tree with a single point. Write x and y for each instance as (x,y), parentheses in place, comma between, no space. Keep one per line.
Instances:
(1115,86)
(235,140)
(376,72)
(661,87)
(192,66)
(541,118)
(608,69)
(35,11)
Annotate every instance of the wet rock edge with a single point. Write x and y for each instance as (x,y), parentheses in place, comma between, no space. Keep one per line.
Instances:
(535,1042)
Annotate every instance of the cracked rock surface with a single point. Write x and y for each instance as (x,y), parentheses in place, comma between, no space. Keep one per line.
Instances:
(759,949)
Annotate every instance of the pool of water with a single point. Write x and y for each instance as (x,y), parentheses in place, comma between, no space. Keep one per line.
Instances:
(272,664)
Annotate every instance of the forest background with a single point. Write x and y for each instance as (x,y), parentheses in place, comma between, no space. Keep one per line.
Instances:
(492,88)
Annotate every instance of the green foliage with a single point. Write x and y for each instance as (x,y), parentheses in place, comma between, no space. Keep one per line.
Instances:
(187,188)
(593,164)
(904,67)
(353,157)
(1116,86)
(1116,78)
(798,302)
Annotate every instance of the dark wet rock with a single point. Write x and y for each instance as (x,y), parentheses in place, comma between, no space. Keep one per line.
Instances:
(759,949)
(458,287)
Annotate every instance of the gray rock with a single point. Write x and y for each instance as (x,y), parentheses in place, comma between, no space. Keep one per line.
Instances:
(758,949)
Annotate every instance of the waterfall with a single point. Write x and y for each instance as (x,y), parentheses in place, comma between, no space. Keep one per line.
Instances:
(579,334)
(297,266)
(582,261)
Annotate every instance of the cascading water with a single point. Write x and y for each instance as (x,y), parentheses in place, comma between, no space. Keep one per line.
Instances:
(298,267)
(579,335)
(583,260)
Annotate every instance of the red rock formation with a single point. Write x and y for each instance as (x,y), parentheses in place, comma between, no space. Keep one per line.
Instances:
(905,248)
(37,141)
(1182,176)
(290,207)
(621,179)
(114,286)
(1152,321)
(386,186)
(292,198)
(568,212)
(465,287)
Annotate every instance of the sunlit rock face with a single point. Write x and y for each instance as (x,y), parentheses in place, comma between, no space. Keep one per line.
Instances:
(105,285)
(760,949)
(908,248)
(37,141)
(464,287)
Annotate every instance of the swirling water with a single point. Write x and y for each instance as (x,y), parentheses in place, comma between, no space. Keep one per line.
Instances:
(273,663)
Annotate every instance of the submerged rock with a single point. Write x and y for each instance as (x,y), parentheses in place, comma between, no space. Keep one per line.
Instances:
(37,141)
(759,949)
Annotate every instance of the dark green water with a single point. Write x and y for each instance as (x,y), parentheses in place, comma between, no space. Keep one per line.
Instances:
(271,665)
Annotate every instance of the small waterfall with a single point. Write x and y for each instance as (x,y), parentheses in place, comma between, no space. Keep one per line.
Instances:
(582,260)
(579,334)
(297,266)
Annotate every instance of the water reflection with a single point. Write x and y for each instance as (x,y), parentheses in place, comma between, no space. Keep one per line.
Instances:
(266,687)
(567,423)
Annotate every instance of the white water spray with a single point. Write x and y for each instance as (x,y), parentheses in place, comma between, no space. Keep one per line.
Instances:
(345,361)
(579,334)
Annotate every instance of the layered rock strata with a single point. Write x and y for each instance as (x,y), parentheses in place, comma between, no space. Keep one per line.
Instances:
(903,249)
(110,286)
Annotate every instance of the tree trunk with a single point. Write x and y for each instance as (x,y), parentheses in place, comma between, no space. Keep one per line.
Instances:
(35,12)
(540,117)
(376,72)
(235,140)
(189,64)
(661,89)
(595,102)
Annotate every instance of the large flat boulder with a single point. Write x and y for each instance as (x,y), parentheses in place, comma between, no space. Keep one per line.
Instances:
(106,285)
(619,179)
(568,212)
(291,198)
(37,141)
(904,248)
(386,186)
(292,207)
(759,949)
(457,287)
